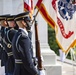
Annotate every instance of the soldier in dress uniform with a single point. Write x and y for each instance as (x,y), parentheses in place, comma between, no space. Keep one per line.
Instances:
(28,21)
(4,26)
(8,39)
(21,49)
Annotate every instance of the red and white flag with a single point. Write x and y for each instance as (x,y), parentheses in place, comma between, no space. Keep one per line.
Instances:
(28,6)
(61,15)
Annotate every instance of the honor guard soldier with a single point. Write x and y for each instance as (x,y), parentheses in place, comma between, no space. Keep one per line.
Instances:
(4,26)
(8,39)
(21,48)
(28,21)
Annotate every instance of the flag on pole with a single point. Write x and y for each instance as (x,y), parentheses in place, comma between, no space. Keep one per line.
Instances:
(43,10)
(66,24)
(61,15)
(28,6)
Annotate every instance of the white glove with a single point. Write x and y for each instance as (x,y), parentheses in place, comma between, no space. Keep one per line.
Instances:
(42,72)
(42,58)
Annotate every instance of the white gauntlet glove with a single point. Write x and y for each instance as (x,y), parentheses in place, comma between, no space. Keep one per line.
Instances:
(42,72)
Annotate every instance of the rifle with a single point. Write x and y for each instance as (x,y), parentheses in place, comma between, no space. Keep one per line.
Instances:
(37,46)
(73,1)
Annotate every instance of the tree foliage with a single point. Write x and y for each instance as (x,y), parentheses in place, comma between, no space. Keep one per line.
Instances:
(52,40)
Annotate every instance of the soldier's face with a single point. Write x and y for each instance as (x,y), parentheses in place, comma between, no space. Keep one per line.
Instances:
(18,23)
(24,24)
(21,24)
(11,23)
(2,23)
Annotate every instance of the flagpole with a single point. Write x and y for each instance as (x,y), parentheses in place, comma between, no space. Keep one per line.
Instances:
(38,51)
(37,44)
(36,12)
(35,16)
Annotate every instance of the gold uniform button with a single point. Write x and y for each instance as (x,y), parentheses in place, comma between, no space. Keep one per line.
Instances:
(9,45)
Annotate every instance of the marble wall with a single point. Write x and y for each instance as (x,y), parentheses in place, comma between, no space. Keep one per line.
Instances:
(11,6)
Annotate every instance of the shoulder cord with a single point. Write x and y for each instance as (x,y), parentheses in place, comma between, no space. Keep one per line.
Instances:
(18,47)
(17,42)
(8,36)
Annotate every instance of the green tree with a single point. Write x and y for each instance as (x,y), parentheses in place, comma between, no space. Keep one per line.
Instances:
(52,40)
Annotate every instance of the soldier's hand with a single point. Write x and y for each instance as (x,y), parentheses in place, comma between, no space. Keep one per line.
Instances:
(42,72)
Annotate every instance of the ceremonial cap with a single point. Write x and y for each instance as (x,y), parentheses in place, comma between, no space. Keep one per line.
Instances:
(3,17)
(21,16)
(10,18)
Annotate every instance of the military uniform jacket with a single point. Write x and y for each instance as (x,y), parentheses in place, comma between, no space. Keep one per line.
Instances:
(8,39)
(0,45)
(4,56)
(21,50)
